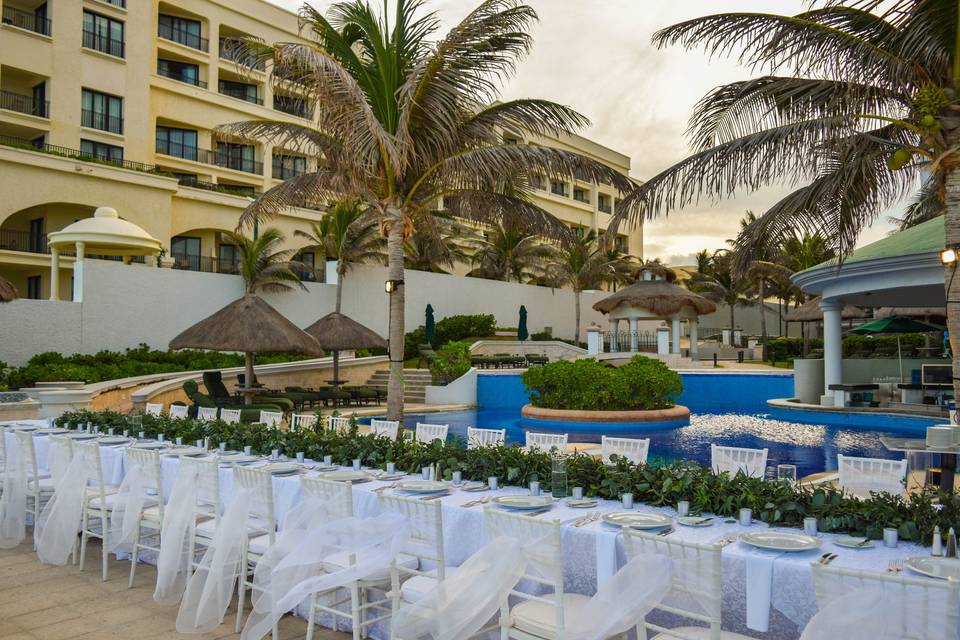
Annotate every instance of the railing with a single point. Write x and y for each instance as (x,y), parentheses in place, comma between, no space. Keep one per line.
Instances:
(74,154)
(227,161)
(206,156)
(237,53)
(197,82)
(103,44)
(178,150)
(102,121)
(606,208)
(558,189)
(292,106)
(581,197)
(246,192)
(284,172)
(24,104)
(27,20)
(23,241)
(117,3)
(240,94)
(183,37)
(622,341)
(205,264)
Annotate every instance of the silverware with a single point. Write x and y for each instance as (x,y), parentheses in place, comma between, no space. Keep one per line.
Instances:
(385,487)
(534,514)
(896,566)
(473,503)
(436,497)
(865,542)
(827,558)
(702,520)
(666,532)
(823,557)
(584,520)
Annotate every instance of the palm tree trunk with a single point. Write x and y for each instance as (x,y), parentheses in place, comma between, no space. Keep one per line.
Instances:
(733,311)
(576,317)
(952,229)
(763,320)
(340,277)
(248,376)
(396,331)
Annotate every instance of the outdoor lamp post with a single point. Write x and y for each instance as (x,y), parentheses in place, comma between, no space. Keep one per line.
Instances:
(392,285)
(949,256)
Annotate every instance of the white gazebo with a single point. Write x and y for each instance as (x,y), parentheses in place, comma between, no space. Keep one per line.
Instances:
(652,299)
(107,234)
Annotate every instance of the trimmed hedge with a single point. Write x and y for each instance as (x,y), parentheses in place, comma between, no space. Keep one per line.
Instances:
(641,384)
(657,484)
(453,360)
(450,329)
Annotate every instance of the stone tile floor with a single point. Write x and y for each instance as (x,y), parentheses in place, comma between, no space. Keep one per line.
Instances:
(39,602)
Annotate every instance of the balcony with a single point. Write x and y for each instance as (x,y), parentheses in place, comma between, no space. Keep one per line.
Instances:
(180,77)
(27,20)
(117,3)
(181,36)
(286,167)
(558,188)
(233,50)
(293,106)
(103,43)
(205,264)
(73,154)
(219,158)
(102,121)
(23,241)
(240,91)
(24,104)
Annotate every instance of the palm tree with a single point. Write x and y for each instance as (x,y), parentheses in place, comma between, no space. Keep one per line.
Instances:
(403,121)
(346,235)
(439,247)
(859,106)
(717,280)
(585,262)
(509,252)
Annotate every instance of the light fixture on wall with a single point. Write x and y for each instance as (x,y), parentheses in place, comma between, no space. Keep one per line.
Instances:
(392,285)
(949,255)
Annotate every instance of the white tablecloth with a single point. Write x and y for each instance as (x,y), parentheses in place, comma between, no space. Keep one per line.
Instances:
(596,550)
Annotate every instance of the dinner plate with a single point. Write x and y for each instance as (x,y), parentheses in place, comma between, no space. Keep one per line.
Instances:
(390,476)
(81,436)
(347,475)
(423,486)
(853,542)
(52,432)
(239,458)
(150,444)
(942,568)
(284,468)
(112,440)
(780,540)
(523,503)
(475,486)
(581,504)
(189,452)
(637,520)
(24,428)
(696,521)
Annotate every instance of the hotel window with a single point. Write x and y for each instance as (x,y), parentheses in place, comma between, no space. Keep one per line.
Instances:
(240,91)
(103,34)
(185,251)
(538,181)
(603,203)
(623,244)
(228,258)
(237,156)
(182,71)
(558,187)
(101,111)
(180,143)
(33,288)
(307,267)
(101,150)
(581,195)
(181,30)
(292,105)
(286,167)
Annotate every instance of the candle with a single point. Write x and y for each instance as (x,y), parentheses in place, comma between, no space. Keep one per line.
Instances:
(627,500)
(492,482)
(534,487)
(683,508)
(577,493)
(746,517)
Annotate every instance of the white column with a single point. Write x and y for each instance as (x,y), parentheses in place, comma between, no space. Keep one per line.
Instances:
(663,341)
(675,335)
(694,337)
(54,273)
(832,350)
(614,331)
(634,335)
(594,340)
(78,274)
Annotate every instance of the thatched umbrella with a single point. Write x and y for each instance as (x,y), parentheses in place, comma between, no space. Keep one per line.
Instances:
(658,297)
(912,312)
(810,311)
(249,325)
(336,332)
(8,292)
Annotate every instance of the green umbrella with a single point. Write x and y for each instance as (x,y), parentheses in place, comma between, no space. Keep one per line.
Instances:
(522,333)
(896,325)
(430,325)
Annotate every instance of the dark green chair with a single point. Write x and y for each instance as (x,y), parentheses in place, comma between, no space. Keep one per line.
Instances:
(364,395)
(248,412)
(271,397)
(535,359)
(427,354)
(329,395)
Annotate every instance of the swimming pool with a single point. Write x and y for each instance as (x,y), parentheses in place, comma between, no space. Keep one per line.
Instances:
(728,409)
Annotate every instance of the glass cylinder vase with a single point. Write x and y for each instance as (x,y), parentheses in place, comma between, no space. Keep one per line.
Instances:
(558,478)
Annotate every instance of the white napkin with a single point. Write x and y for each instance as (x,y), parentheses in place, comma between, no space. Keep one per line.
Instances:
(759,585)
(606,554)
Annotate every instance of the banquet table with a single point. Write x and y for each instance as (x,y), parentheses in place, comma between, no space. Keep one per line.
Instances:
(776,587)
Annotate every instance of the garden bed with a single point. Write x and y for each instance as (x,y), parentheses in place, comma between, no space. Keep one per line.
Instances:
(675,414)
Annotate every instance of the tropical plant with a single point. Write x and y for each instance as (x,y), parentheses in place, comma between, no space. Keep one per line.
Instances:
(717,280)
(403,121)
(509,252)
(346,235)
(583,262)
(263,265)
(439,245)
(864,111)
(452,361)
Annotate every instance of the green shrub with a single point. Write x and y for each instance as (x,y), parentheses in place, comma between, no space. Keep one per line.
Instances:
(642,383)
(450,329)
(452,361)
(542,335)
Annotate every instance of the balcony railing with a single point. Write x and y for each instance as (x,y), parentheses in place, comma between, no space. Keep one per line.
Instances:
(293,106)
(102,121)
(233,190)
(240,93)
(234,51)
(103,43)
(197,82)
(27,20)
(117,3)
(183,37)
(206,156)
(283,171)
(205,264)
(75,154)
(24,104)
(23,241)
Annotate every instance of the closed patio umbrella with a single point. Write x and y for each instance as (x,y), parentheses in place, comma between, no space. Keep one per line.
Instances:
(522,332)
(429,325)
(248,325)
(336,332)
(896,325)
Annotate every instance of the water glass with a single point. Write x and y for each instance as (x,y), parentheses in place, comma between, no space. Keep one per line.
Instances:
(534,487)
(300,457)
(627,500)
(492,483)
(110,431)
(222,446)
(391,467)
(179,440)
(275,454)
(457,477)
(810,526)
(328,461)
(200,444)
(142,435)
(746,517)
(356,464)
(787,472)
(426,473)
(890,537)
(160,437)
(577,493)
(247,450)
(126,433)
(558,477)
(683,508)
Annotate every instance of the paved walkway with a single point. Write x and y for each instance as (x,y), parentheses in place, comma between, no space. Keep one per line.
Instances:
(39,602)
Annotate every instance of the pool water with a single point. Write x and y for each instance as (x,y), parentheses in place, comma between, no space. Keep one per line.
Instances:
(728,409)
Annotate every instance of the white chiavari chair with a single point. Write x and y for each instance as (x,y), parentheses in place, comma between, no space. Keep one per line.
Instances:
(338,424)
(336,496)
(633,449)
(179,411)
(300,421)
(40,486)
(477,438)
(153,409)
(98,503)
(546,441)
(427,433)
(230,416)
(271,418)
(752,462)
(207,414)
(860,477)
(385,428)
(207,507)
(261,528)
(150,519)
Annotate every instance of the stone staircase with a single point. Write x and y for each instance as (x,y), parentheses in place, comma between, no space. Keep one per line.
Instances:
(415,382)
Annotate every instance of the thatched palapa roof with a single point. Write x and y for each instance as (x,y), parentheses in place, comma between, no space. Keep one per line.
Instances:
(249,325)
(337,332)
(656,296)
(810,311)
(8,292)
(912,312)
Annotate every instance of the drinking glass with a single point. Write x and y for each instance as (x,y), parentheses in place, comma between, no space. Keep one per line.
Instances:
(426,473)
(534,487)
(577,493)
(247,450)
(110,431)
(160,437)
(200,444)
(457,477)
(787,472)
(142,435)
(627,500)
(890,537)
(300,457)
(683,508)
(391,467)
(328,461)
(492,483)
(275,454)
(356,464)
(179,440)
(746,517)
(558,477)
(810,526)
(126,433)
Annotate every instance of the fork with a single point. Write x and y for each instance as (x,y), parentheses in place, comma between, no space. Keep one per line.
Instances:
(385,487)
(896,566)
(474,503)
(593,517)
(830,558)
(666,532)
(579,522)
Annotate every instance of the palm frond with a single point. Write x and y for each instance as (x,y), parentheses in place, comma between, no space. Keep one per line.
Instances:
(926,205)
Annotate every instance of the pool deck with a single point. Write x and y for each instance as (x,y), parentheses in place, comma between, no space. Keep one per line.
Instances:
(914,411)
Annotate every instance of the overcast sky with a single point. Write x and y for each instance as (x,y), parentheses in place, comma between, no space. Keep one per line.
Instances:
(596,56)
